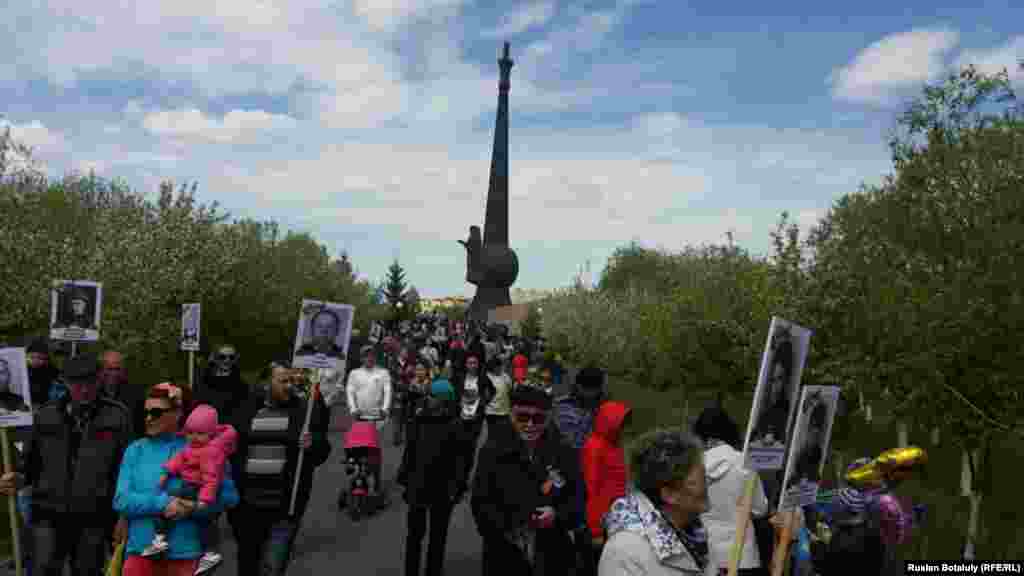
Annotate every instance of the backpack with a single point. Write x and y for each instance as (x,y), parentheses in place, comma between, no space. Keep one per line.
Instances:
(855,547)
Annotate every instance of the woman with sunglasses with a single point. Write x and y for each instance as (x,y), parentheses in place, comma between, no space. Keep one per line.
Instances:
(140,499)
(524,494)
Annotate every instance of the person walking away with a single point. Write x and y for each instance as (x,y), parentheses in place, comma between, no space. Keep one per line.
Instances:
(497,410)
(200,465)
(141,500)
(71,465)
(727,480)
(270,437)
(368,392)
(524,493)
(604,468)
(435,476)
(655,529)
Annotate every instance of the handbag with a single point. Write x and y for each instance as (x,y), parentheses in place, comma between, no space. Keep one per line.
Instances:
(116,561)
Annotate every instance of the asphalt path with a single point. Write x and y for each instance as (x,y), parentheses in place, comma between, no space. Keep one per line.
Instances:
(329,541)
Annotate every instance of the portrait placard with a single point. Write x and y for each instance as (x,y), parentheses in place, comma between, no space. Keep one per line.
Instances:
(75,310)
(190,323)
(778,385)
(323,335)
(15,392)
(811,436)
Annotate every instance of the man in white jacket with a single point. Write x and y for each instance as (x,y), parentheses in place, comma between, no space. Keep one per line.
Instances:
(726,482)
(368,391)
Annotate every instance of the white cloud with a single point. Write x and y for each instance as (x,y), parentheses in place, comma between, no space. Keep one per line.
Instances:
(585,35)
(387,15)
(1007,56)
(895,62)
(522,19)
(43,141)
(236,126)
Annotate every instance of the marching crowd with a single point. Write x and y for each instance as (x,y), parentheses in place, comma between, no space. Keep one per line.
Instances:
(109,460)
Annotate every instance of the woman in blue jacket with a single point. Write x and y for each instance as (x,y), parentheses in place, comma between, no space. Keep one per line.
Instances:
(140,499)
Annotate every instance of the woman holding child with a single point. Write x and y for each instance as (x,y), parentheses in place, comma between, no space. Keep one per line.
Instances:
(145,500)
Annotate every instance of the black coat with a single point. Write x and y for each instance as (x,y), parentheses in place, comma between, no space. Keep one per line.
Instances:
(434,467)
(508,488)
(226,395)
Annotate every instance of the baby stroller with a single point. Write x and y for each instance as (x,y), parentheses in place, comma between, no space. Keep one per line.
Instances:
(362,454)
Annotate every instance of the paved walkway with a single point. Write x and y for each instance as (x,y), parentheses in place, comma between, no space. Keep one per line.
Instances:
(330,542)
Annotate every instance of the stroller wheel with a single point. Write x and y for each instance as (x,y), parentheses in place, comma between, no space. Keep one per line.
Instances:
(355,510)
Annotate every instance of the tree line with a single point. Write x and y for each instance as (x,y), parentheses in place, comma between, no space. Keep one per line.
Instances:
(911,286)
(154,254)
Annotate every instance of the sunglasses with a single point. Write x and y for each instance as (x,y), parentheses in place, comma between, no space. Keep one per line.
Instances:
(525,418)
(154,413)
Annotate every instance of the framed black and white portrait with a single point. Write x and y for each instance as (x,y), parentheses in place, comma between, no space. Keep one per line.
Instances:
(190,317)
(323,335)
(15,395)
(811,436)
(75,310)
(774,405)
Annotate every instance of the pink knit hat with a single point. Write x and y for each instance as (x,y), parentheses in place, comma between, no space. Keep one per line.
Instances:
(202,419)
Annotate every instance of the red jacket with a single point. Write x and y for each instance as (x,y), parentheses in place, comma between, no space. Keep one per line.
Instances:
(604,463)
(520,366)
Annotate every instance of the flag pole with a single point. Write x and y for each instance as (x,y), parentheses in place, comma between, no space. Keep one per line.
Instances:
(314,393)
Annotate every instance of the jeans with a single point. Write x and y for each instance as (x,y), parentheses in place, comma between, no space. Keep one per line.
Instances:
(187,492)
(265,540)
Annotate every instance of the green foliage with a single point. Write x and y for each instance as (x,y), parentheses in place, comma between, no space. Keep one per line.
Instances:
(532,325)
(154,255)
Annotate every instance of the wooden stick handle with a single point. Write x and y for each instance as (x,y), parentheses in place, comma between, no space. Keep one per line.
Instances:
(781,553)
(742,520)
(12,504)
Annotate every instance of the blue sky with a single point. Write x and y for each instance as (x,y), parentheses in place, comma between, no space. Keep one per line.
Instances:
(369,122)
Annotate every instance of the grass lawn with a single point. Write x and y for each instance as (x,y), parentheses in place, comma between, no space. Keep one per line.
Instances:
(1000,537)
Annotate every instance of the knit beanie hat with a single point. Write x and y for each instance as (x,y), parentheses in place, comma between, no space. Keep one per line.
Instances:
(203,419)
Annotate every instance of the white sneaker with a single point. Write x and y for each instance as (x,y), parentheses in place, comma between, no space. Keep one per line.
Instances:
(208,562)
(157,547)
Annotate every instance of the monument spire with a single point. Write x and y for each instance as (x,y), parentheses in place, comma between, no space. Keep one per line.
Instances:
(496,215)
(490,263)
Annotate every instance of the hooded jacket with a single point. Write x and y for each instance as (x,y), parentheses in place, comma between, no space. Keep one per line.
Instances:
(642,542)
(226,395)
(434,471)
(140,498)
(604,464)
(726,479)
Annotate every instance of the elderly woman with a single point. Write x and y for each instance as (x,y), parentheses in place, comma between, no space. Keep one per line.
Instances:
(140,499)
(655,529)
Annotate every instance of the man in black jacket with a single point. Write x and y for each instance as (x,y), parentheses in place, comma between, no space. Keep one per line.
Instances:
(72,464)
(271,437)
(524,493)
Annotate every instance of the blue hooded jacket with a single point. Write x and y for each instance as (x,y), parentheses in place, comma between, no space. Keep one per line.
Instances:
(140,498)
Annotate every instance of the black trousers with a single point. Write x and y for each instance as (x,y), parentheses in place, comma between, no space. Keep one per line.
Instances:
(264,540)
(69,539)
(416,520)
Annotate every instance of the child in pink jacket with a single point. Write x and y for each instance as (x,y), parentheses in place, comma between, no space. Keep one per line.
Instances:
(200,465)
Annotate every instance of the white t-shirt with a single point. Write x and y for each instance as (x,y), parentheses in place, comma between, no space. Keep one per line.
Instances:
(501,404)
(470,397)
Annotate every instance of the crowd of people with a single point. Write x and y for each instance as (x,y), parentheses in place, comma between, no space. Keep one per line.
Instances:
(551,485)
